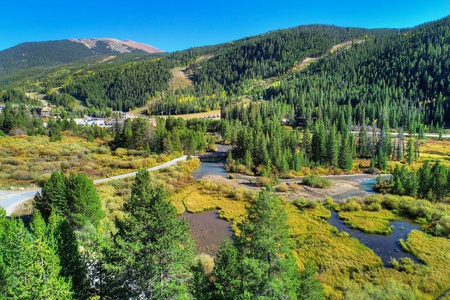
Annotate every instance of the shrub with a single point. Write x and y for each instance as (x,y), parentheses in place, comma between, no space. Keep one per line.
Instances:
(391,202)
(311,204)
(264,181)
(329,201)
(374,206)
(282,188)
(316,182)
(350,205)
(300,202)
(443,227)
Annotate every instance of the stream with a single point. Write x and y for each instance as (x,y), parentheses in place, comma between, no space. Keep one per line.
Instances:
(209,231)
(385,246)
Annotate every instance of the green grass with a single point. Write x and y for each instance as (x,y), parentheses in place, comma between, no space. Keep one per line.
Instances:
(376,222)
(316,182)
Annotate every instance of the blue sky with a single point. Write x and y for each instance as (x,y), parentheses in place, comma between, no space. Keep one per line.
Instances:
(177,25)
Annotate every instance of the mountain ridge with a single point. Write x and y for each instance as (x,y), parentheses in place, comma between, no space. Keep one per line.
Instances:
(58,52)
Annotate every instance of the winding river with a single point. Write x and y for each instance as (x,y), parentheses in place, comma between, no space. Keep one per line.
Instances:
(209,231)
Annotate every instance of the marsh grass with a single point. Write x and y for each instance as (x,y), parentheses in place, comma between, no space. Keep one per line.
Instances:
(375,222)
(32,159)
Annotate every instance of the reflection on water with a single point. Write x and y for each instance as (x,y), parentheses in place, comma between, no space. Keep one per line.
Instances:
(385,246)
(208,231)
(210,168)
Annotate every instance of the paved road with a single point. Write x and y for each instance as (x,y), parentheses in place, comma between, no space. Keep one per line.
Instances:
(10,200)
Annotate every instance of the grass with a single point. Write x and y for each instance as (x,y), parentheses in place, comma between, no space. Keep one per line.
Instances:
(434,252)
(30,159)
(336,255)
(376,222)
(349,270)
(201,115)
(207,195)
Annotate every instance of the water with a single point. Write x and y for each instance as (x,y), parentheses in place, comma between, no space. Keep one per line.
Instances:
(385,246)
(208,231)
(211,168)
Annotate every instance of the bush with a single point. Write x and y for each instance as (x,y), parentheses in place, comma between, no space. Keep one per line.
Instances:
(374,206)
(300,202)
(316,182)
(350,205)
(311,204)
(443,227)
(282,188)
(391,202)
(329,201)
(264,181)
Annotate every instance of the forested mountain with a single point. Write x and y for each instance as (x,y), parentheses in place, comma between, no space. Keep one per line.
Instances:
(269,55)
(399,80)
(51,53)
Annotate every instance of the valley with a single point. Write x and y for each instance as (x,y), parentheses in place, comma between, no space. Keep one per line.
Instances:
(303,163)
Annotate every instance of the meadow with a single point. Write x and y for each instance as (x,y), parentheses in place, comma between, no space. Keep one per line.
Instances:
(26,160)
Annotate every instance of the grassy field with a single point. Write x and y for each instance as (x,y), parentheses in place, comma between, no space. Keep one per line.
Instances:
(26,160)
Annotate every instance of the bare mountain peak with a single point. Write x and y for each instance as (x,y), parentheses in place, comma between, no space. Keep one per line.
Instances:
(117,45)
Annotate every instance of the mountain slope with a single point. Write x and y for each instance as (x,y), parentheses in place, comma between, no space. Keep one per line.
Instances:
(52,53)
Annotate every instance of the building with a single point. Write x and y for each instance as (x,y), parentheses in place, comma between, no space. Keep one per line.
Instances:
(43,112)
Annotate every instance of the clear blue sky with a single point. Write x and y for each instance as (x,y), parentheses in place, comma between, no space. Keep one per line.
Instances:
(177,25)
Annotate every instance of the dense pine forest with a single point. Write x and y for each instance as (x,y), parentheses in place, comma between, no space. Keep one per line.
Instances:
(310,100)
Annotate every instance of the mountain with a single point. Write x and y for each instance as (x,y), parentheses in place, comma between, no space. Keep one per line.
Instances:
(53,53)
(116,45)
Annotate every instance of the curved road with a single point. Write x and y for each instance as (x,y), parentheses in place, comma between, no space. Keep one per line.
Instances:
(10,200)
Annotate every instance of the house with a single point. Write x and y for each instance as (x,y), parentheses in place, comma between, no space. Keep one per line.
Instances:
(43,112)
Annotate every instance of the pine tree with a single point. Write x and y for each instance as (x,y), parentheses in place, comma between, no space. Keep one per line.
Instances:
(53,196)
(84,203)
(268,268)
(411,153)
(152,249)
(345,161)
(227,272)
(46,265)
(333,147)
(72,264)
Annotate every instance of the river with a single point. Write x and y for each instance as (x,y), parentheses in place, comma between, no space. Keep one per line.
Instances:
(385,246)
(209,231)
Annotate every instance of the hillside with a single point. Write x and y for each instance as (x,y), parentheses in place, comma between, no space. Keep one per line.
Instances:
(31,55)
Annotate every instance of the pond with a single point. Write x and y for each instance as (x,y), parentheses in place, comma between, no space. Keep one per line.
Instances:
(385,246)
(208,231)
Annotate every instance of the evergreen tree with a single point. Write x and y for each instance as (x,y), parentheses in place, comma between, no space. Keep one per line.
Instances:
(152,249)
(83,201)
(345,161)
(227,272)
(74,197)
(333,147)
(72,264)
(46,267)
(53,196)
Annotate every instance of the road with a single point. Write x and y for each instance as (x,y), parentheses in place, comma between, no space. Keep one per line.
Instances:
(10,200)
